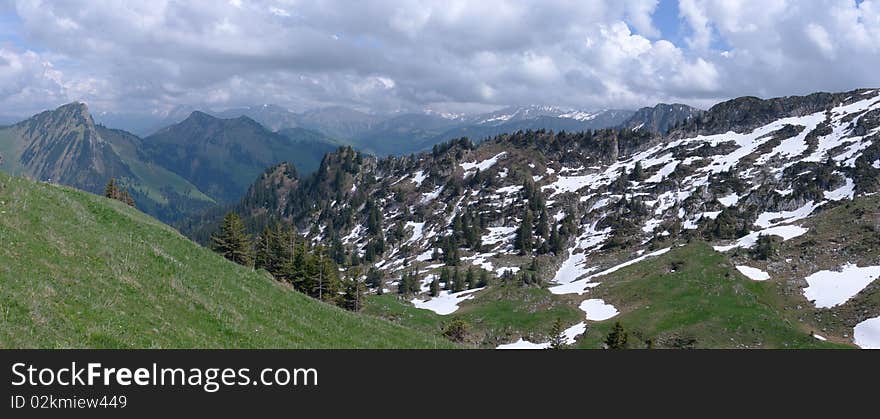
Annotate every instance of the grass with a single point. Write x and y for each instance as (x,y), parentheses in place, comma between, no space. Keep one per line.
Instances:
(82,271)
(499,314)
(693,297)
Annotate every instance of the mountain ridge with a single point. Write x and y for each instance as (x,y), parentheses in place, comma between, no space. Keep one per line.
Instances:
(599,199)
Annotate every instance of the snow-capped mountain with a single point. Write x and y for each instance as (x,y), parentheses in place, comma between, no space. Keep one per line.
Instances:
(781,188)
(534,112)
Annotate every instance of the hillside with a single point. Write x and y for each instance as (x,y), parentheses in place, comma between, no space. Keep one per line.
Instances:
(551,211)
(82,271)
(66,146)
(223,156)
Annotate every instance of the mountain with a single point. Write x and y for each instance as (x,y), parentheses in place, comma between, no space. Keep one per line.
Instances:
(81,271)
(662,117)
(404,134)
(752,225)
(223,156)
(273,117)
(604,119)
(66,146)
(338,121)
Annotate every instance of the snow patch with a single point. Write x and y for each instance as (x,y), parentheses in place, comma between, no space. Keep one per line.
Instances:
(769,219)
(844,192)
(833,288)
(571,335)
(579,286)
(471,168)
(754,274)
(446,302)
(419,177)
(729,200)
(786,232)
(867,334)
(598,310)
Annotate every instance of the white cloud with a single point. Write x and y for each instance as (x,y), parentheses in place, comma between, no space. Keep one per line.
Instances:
(388,54)
(820,37)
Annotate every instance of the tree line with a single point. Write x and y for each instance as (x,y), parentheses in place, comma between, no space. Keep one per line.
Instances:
(289,258)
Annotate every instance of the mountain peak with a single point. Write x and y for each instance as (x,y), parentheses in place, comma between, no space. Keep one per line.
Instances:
(199,115)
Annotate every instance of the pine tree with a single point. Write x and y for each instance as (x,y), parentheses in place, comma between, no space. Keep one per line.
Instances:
(524,239)
(263,255)
(556,243)
(638,173)
(375,280)
(232,241)
(616,339)
(111,190)
(471,279)
(435,287)
(557,335)
(484,279)
(446,279)
(353,299)
(457,281)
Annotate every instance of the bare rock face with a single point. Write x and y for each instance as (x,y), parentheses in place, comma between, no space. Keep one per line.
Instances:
(662,118)
(747,113)
(65,146)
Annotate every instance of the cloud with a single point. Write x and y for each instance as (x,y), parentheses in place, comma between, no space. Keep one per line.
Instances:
(389,55)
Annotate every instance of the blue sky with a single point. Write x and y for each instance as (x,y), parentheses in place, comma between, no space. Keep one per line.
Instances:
(455,55)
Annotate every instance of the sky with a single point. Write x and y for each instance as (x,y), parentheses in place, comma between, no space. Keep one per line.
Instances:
(145,57)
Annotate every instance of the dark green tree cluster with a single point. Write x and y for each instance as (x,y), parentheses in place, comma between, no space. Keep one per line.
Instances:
(766,247)
(538,232)
(114,191)
(457,280)
(617,337)
(232,241)
(409,283)
(376,280)
(291,259)
(467,230)
(285,255)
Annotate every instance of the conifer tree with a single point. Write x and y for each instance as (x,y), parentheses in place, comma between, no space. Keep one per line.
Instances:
(232,241)
(471,279)
(638,173)
(114,191)
(616,339)
(557,335)
(524,239)
(446,279)
(458,281)
(353,299)
(264,258)
(556,243)
(111,190)
(435,287)
(484,279)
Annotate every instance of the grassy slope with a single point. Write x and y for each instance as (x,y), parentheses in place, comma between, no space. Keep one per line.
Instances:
(497,315)
(77,270)
(705,299)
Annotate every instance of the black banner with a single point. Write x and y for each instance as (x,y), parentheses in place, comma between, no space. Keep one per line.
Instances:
(232,383)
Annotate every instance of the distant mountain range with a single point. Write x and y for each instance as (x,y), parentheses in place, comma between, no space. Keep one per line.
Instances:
(407,133)
(178,171)
(204,159)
